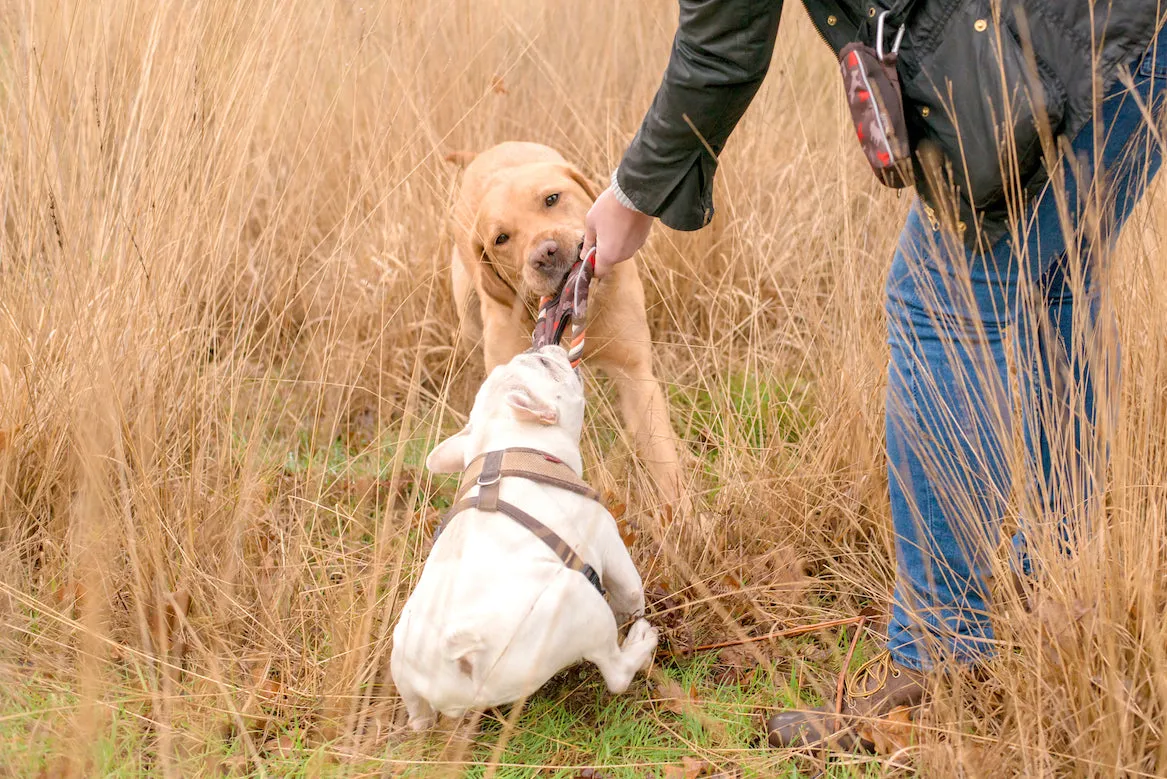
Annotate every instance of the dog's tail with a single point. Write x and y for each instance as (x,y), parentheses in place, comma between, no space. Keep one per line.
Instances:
(461,158)
(463,648)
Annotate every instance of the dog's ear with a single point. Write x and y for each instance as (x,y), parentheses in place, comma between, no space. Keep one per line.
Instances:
(490,276)
(588,185)
(529,406)
(450,455)
(460,158)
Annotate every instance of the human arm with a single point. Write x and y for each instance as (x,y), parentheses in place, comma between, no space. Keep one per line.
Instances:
(720,56)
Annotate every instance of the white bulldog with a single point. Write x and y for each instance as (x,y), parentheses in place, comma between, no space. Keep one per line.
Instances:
(496,613)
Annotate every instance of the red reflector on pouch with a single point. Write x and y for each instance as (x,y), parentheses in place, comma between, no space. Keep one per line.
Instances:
(871,83)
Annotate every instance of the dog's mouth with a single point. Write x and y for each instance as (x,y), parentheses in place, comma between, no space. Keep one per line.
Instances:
(547,284)
(547,281)
(553,359)
(561,278)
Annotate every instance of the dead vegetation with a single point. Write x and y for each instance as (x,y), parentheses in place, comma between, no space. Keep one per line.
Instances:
(226,344)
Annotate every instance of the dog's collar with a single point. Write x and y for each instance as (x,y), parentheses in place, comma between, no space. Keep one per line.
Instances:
(489,469)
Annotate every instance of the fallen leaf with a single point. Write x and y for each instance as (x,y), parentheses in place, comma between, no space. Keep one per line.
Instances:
(1061,623)
(890,733)
(430,520)
(735,676)
(69,597)
(660,599)
(590,773)
(668,514)
(235,764)
(738,655)
(731,582)
(283,746)
(695,768)
(270,691)
(675,698)
(980,761)
(627,532)
(737,667)
(614,505)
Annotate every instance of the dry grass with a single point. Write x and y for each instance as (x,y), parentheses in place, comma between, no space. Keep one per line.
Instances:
(227,342)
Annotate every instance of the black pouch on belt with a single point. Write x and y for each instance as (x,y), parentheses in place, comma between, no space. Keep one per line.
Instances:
(877,107)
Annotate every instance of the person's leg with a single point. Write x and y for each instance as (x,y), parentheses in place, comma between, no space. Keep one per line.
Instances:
(1063,348)
(948,439)
(956,323)
(959,357)
(950,442)
(1073,353)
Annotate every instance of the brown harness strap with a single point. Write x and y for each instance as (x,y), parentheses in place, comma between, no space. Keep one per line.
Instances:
(488,470)
(530,464)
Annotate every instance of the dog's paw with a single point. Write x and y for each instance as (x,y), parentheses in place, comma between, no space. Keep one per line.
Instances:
(641,631)
(642,637)
(418,724)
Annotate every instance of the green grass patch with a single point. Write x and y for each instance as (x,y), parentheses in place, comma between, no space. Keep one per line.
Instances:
(687,710)
(745,410)
(38,727)
(574,722)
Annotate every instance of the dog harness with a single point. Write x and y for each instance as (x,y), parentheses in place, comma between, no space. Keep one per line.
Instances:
(570,303)
(488,470)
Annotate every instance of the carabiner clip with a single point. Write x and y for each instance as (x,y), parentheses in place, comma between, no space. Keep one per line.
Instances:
(895,46)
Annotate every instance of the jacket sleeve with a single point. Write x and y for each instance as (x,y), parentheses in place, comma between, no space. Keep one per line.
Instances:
(720,56)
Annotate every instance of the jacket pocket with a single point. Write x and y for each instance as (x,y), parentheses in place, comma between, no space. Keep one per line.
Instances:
(976,99)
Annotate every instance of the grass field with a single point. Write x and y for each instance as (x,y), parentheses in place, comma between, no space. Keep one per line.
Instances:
(227,343)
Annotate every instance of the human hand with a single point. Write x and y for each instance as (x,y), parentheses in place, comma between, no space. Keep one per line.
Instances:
(615,230)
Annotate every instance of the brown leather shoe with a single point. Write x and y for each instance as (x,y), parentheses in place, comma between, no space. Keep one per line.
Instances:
(879,686)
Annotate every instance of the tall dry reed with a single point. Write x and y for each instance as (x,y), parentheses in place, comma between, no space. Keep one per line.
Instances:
(223,253)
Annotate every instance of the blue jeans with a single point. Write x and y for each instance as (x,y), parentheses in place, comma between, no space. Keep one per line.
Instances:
(1002,363)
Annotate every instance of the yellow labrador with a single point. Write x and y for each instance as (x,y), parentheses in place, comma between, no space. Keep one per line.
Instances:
(518,227)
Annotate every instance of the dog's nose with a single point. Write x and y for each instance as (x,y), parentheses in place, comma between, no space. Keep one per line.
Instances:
(543,256)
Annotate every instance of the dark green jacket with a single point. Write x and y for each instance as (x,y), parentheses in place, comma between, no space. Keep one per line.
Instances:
(950,76)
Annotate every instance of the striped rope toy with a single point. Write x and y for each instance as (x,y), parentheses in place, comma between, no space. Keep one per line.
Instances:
(570,303)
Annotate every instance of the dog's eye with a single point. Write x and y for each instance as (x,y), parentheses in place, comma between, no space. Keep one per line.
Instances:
(501,239)
(551,200)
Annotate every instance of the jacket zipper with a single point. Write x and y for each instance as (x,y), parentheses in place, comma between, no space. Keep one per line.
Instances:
(822,36)
(818,27)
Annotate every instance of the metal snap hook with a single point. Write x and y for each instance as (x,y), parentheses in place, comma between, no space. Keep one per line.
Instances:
(895,46)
